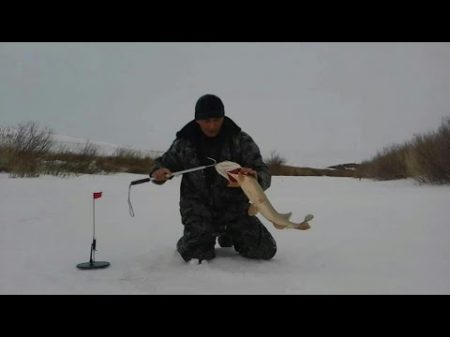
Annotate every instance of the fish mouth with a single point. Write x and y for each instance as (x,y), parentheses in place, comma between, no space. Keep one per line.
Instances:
(230,176)
(231,179)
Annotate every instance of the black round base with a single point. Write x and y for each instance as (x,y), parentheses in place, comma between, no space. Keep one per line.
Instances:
(93,265)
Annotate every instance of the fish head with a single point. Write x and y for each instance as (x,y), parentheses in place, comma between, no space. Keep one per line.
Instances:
(229,170)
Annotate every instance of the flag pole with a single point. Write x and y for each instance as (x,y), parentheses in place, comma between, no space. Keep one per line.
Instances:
(92,264)
(93,248)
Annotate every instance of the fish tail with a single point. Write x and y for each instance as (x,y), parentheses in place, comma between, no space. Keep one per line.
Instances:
(304,225)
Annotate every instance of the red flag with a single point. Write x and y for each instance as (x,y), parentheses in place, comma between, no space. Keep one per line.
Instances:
(97,195)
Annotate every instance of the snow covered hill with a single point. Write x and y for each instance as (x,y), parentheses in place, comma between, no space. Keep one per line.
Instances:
(76,144)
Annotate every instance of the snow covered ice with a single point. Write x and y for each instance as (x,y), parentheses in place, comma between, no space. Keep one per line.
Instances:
(367,237)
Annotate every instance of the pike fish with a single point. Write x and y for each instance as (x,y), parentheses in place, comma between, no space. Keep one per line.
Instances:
(257,198)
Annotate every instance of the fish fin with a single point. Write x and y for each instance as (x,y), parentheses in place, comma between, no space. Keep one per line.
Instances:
(252,210)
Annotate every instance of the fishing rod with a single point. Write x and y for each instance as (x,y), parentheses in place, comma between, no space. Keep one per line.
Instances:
(170,176)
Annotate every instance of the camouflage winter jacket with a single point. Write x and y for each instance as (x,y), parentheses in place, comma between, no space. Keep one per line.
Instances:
(205,193)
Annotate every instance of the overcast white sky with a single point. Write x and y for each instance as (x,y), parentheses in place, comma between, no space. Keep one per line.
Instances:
(315,104)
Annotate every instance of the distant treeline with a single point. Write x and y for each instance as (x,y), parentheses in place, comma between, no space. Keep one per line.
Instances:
(425,158)
(29,151)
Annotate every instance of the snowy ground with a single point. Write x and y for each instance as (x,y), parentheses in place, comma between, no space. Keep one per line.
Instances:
(367,238)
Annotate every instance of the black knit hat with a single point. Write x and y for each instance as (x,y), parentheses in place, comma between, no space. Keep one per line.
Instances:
(209,106)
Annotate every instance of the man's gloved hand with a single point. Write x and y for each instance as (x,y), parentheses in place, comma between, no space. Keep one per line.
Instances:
(244,171)
(161,175)
(249,172)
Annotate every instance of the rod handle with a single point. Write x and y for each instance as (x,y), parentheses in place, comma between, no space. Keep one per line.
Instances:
(140,181)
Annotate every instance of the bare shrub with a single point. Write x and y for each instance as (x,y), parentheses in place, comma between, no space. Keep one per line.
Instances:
(430,157)
(85,161)
(126,160)
(89,150)
(426,159)
(28,151)
(6,156)
(441,172)
(275,159)
(30,138)
(275,163)
(24,149)
(388,164)
(125,152)
(413,167)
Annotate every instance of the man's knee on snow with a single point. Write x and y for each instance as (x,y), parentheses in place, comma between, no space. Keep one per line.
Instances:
(264,250)
(254,241)
(194,245)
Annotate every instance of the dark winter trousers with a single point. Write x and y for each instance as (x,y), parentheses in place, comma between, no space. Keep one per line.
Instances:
(249,237)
